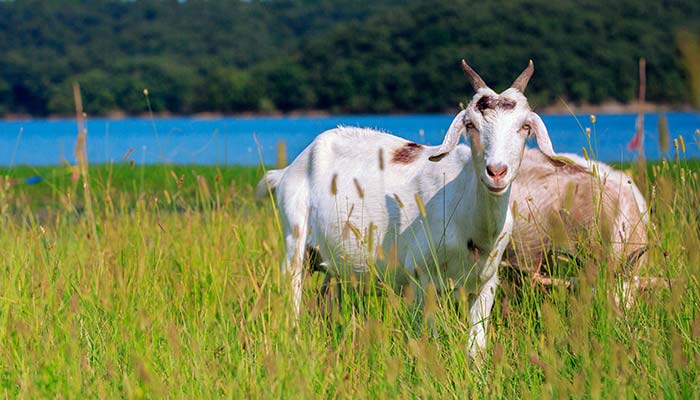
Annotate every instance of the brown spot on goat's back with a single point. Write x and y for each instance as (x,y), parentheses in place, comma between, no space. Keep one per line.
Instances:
(407,153)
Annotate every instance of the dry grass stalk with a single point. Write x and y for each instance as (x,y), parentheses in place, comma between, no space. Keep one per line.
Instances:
(81,156)
(281,154)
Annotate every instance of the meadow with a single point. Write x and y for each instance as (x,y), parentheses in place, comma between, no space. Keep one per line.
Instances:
(164,281)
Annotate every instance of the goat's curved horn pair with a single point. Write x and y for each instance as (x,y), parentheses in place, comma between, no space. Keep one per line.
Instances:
(520,82)
(459,123)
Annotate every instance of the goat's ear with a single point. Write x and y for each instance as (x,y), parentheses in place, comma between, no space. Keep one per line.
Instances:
(543,142)
(451,137)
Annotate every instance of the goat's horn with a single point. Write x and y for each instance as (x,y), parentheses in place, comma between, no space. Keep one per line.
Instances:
(477,82)
(520,82)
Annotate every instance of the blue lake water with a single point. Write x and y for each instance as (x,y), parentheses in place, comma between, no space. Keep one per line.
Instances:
(230,140)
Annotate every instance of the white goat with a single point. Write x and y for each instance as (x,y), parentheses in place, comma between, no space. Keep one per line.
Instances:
(445,224)
(553,204)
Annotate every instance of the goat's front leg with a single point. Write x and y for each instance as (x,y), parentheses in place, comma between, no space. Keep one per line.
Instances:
(418,284)
(479,313)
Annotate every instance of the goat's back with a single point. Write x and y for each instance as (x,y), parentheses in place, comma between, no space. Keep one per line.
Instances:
(353,186)
(559,207)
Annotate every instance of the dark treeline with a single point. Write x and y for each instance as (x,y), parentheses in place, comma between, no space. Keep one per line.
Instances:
(339,56)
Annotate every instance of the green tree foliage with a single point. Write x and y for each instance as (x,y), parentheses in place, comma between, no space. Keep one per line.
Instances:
(285,84)
(228,90)
(340,56)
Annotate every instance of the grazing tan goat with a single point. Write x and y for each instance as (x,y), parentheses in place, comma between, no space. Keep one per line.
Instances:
(557,207)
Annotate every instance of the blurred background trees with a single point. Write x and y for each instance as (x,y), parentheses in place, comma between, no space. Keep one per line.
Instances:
(340,56)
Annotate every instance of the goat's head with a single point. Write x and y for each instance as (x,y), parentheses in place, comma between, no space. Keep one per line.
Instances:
(497,125)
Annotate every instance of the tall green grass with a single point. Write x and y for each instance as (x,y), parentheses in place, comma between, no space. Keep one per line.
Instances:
(180,296)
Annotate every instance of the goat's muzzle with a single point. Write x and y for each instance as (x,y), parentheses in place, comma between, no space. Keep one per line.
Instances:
(496,172)
(495,178)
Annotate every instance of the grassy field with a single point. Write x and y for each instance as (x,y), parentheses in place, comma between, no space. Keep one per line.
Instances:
(167,284)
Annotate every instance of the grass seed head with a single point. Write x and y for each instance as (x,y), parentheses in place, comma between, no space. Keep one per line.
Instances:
(421,206)
(358,187)
(334,185)
(682,142)
(430,307)
(398,201)
(370,237)
(203,187)
(349,226)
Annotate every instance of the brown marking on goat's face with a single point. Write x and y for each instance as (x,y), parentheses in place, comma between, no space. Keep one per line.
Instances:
(491,103)
(407,153)
(486,103)
(507,104)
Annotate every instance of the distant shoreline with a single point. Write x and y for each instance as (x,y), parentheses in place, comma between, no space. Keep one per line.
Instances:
(552,109)
(612,107)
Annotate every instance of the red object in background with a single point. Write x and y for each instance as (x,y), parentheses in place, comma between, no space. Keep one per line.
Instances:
(635,142)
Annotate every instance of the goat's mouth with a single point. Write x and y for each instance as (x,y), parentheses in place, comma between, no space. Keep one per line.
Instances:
(495,189)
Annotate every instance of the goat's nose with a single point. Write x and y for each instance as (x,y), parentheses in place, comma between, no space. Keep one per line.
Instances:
(496,172)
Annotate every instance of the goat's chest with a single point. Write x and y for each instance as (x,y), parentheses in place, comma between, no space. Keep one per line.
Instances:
(465,265)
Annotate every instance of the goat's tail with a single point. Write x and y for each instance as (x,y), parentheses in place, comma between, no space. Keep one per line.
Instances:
(268,183)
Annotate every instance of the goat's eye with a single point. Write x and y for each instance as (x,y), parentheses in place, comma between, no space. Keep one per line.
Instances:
(469,125)
(525,127)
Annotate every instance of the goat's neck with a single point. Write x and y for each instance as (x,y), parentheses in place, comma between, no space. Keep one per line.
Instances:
(488,213)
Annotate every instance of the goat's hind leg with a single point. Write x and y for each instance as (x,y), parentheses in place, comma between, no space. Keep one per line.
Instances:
(296,232)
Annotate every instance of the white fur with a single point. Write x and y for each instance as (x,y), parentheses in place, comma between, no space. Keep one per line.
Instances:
(460,241)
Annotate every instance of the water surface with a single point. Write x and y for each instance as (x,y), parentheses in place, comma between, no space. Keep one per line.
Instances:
(231,140)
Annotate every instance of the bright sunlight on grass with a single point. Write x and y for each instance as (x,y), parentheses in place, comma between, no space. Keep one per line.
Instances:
(180,295)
